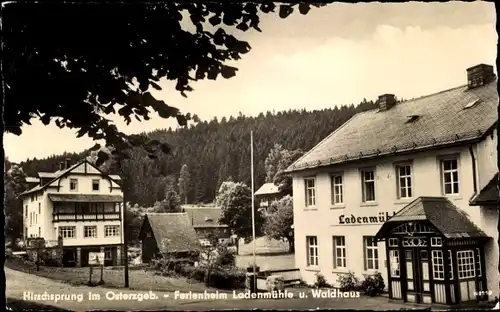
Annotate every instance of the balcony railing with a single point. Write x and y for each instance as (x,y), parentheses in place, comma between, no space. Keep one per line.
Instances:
(68,216)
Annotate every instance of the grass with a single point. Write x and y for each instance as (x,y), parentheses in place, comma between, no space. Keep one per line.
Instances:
(113,278)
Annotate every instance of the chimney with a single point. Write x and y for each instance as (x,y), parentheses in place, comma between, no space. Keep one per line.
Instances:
(61,166)
(480,75)
(68,160)
(386,101)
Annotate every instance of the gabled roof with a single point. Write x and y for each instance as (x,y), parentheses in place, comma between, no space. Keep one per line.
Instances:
(173,232)
(54,176)
(442,120)
(489,195)
(204,216)
(451,221)
(268,189)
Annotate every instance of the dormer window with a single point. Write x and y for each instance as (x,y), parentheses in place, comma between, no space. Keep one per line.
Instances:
(95,185)
(73,184)
(208,219)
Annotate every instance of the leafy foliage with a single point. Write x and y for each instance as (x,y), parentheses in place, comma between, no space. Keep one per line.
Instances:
(279,220)
(172,201)
(348,282)
(109,66)
(15,183)
(373,285)
(277,161)
(235,200)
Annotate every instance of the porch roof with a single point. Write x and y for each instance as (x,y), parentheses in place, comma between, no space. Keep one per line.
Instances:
(85,198)
(451,221)
(489,195)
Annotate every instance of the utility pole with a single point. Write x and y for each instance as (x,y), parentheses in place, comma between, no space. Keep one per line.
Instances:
(124,223)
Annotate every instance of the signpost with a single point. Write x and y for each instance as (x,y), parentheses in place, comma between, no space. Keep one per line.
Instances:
(96,259)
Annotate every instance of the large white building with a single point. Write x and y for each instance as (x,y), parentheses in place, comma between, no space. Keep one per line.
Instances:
(406,190)
(80,204)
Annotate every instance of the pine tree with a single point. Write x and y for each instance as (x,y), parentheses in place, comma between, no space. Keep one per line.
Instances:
(15,183)
(184,183)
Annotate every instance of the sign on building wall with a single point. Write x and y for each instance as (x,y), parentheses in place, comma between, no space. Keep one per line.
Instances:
(373,219)
(96,258)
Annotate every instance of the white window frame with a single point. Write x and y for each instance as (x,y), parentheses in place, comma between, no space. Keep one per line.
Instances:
(364,183)
(395,262)
(466,264)
(98,185)
(89,229)
(65,231)
(438,264)
(393,242)
(479,268)
(455,190)
(450,260)
(370,263)
(310,191)
(75,183)
(406,191)
(111,230)
(339,252)
(337,188)
(436,242)
(312,251)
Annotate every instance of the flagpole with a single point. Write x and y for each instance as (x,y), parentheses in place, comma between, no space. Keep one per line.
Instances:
(253,211)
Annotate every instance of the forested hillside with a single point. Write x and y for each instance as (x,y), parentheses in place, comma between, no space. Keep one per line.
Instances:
(217,150)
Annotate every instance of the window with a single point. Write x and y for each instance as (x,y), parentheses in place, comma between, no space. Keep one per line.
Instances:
(39,232)
(465,264)
(107,254)
(36,218)
(148,235)
(67,231)
(26,212)
(337,190)
(438,264)
(73,184)
(395,266)
(95,185)
(478,263)
(310,191)
(90,231)
(393,242)
(450,260)
(32,197)
(312,250)
(403,173)
(339,252)
(39,208)
(449,170)
(111,230)
(368,178)
(31,218)
(370,253)
(436,242)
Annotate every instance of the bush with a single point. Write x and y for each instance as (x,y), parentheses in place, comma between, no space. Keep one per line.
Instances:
(348,282)
(227,278)
(373,285)
(321,281)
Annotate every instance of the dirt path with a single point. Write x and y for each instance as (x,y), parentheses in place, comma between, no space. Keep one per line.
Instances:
(19,283)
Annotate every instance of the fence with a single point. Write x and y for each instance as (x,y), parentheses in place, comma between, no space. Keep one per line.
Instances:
(291,276)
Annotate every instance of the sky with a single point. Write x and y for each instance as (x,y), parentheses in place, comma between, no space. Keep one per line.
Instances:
(334,55)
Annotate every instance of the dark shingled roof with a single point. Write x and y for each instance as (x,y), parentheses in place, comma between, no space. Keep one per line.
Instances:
(204,216)
(86,198)
(489,195)
(175,230)
(451,221)
(443,119)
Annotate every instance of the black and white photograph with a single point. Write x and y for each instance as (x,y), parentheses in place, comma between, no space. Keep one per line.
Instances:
(200,155)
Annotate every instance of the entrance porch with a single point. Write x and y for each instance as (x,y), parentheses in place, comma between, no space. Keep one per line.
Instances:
(434,254)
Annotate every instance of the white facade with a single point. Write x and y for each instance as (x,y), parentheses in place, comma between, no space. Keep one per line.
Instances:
(319,217)
(40,220)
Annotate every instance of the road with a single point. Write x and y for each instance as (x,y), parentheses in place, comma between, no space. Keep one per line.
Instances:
(18,283)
